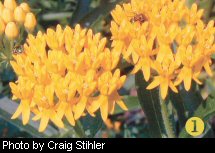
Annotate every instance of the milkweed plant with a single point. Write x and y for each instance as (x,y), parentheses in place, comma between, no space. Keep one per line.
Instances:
(64,71)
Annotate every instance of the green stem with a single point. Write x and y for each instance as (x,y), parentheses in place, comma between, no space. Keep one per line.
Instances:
(9,52)
(1,42)
(11,49)
(165,115)
(79,130)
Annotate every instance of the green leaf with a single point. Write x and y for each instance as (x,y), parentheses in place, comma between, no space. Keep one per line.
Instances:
(185,103)
(91,125)
(205,111)
(178,104)
(98,13)
(150,102)
(208,133)
(131,102)
(8,107)
(86,127)
(36,11)
(191,99)
(82,9)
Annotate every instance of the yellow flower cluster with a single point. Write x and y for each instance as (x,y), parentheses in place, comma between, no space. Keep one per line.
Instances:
(66,73)
(164,39)
(12,17)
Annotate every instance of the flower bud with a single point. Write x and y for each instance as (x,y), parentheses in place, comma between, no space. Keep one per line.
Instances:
(11,30)
(7,15)
(25,7)
(19,15)
(10,4)
(30,21)
(2,26)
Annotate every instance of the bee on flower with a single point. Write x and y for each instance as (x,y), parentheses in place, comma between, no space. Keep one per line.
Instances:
(18,49)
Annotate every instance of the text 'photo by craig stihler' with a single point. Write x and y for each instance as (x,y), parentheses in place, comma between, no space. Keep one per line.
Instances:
(53,145)
(105,69)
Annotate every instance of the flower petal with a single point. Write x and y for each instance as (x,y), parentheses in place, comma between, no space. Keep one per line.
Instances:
(18,112)
(44,122)
(80,107)
(188,79)
(104,110)
(164,88)
(154,83)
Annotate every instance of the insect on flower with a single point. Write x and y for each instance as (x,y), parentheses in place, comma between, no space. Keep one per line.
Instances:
(138,18)
(18,49)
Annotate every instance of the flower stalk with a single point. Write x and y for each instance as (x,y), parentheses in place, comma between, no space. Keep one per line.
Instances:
(79,130)
(165,115)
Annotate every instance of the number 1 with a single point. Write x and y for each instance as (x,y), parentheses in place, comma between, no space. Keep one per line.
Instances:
(194,126)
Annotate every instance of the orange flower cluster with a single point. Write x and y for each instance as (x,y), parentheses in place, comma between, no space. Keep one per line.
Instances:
(164,36)
(66,73)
